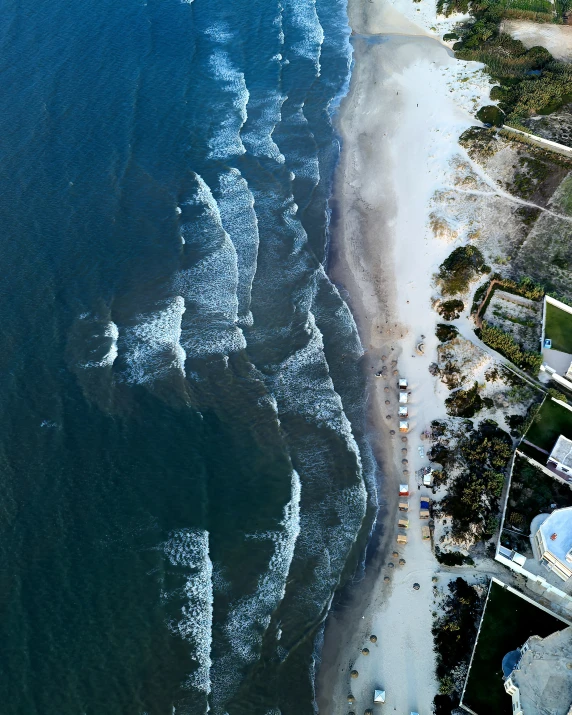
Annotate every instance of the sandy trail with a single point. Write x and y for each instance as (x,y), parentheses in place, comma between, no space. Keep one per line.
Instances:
(409,101)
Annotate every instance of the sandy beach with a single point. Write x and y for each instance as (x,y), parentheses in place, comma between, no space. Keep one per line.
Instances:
(409,101)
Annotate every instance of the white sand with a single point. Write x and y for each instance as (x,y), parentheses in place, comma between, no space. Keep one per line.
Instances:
(556,38)
(409,101)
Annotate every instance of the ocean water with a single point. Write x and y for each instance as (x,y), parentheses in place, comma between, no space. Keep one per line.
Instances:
(184,479)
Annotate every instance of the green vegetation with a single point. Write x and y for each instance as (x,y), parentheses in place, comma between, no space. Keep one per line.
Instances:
(550,422)
(446,332)
(454,634)
(533,172)
(455,558)
(464,403)
(472,500)
(559,328)
(499,635)
(451,309)
(525,287)
(531,81)
(491,115)
(533,492)
(557,395)
(479,142)
(459,269)
(506,345)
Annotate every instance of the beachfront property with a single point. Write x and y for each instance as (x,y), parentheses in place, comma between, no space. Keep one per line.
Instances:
(553,540)
(538,676)
(561,456)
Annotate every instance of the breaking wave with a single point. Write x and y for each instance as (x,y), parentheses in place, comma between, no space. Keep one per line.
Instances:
(238,218)
(152,346)
(227,142)
(189,549)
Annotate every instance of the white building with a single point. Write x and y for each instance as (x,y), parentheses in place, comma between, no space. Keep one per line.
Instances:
(538,676)
(554,542)
(561,456)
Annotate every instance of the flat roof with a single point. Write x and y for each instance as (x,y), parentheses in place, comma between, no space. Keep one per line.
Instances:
(556,531)
(562,451)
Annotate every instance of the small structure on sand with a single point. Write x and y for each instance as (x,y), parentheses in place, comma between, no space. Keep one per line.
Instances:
(402,383)
(379,696)
(404,505)
(424,509)
(404,490)
(403,398)
(401,536)
(403,426)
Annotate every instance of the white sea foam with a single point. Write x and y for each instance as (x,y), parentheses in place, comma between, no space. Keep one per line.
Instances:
(210,286)
(304,18)
(249,618)
(111,332)
(238,218)
(227,142)
(220,32)
(258,138)
(152,345)
(189,548)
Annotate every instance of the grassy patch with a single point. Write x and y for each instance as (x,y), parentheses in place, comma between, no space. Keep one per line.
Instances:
(508,622)
(533,492)
(551,421)
(559,328)
(506,345)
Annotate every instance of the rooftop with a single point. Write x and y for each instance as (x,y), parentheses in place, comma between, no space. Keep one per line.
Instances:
(556,531)
(544,675)
(562,451)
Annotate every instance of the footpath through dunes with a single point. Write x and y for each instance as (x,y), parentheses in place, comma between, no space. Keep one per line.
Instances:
(408,103)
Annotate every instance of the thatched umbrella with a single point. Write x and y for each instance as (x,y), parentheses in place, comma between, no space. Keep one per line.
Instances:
(402,562)
(395,554)
(404,438)
(392,431)
(391,565)
(351,699)
(354,674)
(388,402)
(416,586)
(384,358)
(365,651)
(369,711)
(406,472)
(396,372)
(386,579)
(404,450)
(386,389)
(373,638)
(404,461)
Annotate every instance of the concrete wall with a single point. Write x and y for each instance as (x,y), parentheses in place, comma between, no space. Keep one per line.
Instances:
(558,304)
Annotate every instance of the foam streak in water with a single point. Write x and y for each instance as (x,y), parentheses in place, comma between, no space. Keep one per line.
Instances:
(305,20)
(238,218)
(227,142)
(189,548)
(210,286)
(152,345)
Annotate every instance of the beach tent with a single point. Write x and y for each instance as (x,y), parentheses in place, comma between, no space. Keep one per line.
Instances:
(404,490)
(403,505)
(425,533)
(402,383)
(401,537)
(403,426)
(404,523)
(402,398)
(379,696)
(424,509)
(403,411)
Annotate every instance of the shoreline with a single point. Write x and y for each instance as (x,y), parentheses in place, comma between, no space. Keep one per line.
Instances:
(381,257)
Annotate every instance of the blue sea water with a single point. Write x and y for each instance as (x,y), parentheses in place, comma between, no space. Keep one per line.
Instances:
(184,477)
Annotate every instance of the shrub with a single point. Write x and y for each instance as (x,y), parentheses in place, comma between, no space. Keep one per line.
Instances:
(464,403)
(557,395)
(455,558)
(451,309)
(506,345)
(446,332)
(459,268)
(491,115)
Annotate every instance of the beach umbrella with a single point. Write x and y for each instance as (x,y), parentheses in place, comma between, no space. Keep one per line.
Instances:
(365,651)
(416,586)
(354,674)
(373,639)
